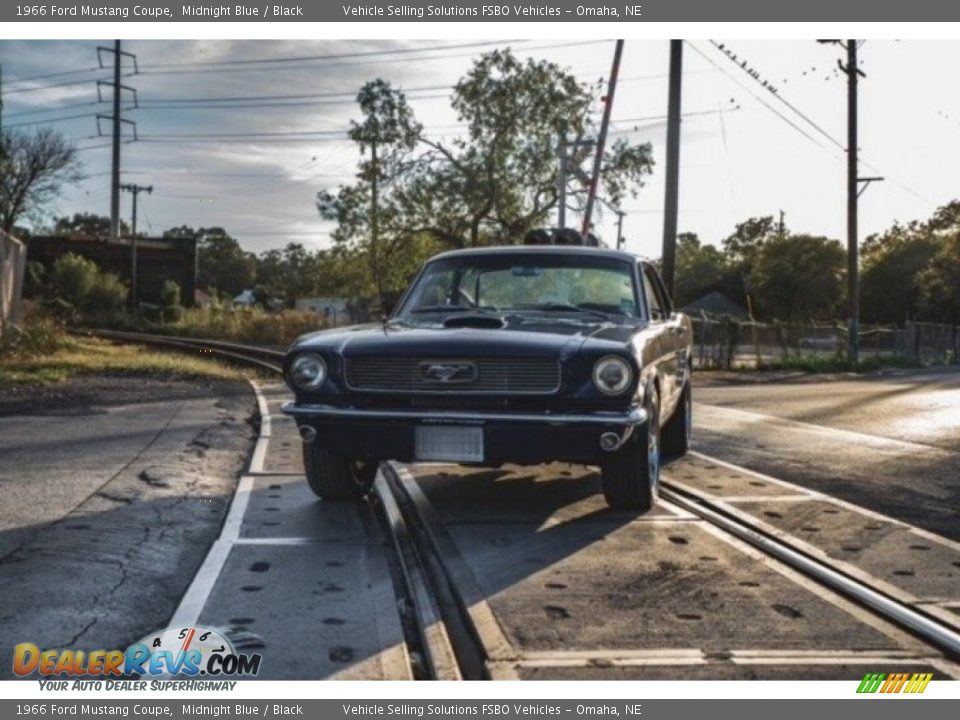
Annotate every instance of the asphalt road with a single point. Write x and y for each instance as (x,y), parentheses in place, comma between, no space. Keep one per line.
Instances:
(108,503)
(108,508)
(891,443)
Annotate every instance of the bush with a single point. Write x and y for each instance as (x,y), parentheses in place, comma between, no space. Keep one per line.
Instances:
(33,279)
(108,295)
(170,294)
(38,335)
(72,278)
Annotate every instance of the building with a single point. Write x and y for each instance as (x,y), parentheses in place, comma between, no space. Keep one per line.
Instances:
(715,303)
(158,260)
(336,311)
(246,298)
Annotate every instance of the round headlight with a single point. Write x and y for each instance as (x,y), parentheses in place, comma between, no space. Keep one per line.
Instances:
(308,372)
(612,375)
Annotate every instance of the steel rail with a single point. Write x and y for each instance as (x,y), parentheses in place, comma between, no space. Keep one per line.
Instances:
(924,626)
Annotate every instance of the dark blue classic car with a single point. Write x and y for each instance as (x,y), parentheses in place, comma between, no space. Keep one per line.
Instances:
(525,354)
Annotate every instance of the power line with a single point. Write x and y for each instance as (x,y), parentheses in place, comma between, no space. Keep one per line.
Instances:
(61,73)
(762,101)
(52,120)
(73,106)
(802,115)
(773,91)
(191,68)
(64,84)
(332,56)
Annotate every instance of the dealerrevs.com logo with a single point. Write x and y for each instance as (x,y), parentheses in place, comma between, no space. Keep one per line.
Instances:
(894,683)
(190,652)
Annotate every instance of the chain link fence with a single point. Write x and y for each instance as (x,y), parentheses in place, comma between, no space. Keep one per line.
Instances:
(725,343)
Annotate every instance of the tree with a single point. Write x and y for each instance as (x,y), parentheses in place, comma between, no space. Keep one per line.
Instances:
(86,225)
(700,268)
(798,277)
(288,274)
(748,237)
(367,212)
(33,169)
(501,179)
(890,277)
(416,194)
(222,265)
(940,282)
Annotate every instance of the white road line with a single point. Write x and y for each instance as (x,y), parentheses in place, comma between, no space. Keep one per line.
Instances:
(194,600)
(259,456)
(755,498)
(878,441)
(814,495)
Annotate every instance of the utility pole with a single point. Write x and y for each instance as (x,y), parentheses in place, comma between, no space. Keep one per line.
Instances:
(672,194)
(115,161)
(781,227)
(602,138)
(853,250)
(853,74)
(134,190)
(620,214)
(562,183)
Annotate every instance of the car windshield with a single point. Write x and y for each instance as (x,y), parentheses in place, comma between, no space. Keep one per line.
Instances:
(575,284)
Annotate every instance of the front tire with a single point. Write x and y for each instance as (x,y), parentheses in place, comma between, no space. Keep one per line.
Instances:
(677,432)
(631,478)
(335,477)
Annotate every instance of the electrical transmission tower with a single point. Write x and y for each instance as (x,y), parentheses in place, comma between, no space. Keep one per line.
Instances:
(117,120)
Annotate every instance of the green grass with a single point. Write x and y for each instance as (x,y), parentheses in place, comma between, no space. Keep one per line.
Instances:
(43,356)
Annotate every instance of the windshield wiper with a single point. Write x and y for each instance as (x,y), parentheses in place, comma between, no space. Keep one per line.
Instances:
(563,307)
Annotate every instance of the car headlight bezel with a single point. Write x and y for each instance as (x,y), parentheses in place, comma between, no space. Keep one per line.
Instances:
(307,381)
(604,385)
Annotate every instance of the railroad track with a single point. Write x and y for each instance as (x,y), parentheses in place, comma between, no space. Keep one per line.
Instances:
(453,634)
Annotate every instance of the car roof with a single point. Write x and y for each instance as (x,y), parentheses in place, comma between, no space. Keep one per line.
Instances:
(586,250)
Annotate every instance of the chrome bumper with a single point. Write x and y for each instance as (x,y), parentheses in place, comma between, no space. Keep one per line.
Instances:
(630,418)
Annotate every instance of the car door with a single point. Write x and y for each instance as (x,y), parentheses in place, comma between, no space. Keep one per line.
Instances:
(667,340)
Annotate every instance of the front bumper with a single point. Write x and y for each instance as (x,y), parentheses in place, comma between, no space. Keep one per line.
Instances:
(509,436)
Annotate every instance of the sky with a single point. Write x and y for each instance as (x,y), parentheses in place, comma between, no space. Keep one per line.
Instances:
(223,144)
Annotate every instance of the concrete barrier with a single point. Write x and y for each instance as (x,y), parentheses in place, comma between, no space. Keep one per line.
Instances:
(13,262)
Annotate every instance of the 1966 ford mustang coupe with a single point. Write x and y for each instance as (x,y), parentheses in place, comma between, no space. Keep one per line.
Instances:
(525,354)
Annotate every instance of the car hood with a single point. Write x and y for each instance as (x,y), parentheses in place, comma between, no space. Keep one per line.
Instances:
(526,336)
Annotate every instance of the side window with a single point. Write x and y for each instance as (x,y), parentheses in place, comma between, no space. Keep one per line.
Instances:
(650,291)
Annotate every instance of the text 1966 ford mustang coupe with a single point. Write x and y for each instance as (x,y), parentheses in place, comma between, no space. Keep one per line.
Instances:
(525,354)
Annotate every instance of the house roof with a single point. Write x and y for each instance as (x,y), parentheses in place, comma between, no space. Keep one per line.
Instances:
(715,303)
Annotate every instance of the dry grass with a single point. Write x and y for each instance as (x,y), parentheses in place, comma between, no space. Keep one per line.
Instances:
(249,326)
(86,356)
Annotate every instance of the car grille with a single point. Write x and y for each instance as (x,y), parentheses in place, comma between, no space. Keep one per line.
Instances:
(520,376)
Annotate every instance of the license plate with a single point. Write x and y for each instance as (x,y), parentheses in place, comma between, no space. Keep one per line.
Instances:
(449,444)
